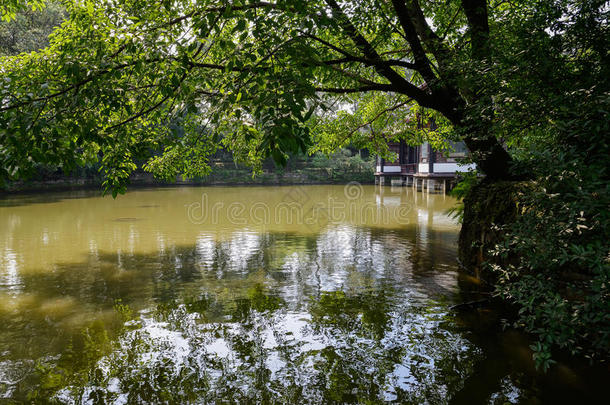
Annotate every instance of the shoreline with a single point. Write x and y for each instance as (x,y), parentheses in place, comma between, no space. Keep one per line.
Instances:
(52,187)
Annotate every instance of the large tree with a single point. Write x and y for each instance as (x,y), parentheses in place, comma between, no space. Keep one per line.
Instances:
(118,71)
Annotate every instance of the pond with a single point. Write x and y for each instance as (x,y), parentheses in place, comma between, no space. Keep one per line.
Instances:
(294,294)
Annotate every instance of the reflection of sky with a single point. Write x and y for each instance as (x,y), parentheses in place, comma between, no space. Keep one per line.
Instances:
(9,271)
(206,248)
(391,201)
(338,257)
(9,259)
(289,346)
(240,248)
(340,251)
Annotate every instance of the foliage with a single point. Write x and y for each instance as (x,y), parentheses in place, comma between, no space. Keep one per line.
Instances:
(254,73)
(370,121)
(9,8)
(342,165)
(550,89)
(555,260)
(30,30)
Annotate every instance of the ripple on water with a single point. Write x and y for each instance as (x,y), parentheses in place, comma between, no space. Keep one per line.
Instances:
(127,219)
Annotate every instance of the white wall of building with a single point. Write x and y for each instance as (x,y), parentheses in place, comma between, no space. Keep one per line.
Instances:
(452,167)
(423,168)
(391,169)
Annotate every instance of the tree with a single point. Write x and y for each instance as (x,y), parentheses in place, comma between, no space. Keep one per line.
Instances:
(114,74)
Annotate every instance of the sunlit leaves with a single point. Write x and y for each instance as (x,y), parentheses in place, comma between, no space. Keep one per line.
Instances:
(258,72)
(113,71)
(8,8)
(372,120)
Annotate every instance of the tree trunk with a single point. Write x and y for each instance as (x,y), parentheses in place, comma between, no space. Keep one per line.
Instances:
(487,152)
(486,206)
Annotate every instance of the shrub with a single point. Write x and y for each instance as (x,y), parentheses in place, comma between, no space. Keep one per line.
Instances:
(553,262)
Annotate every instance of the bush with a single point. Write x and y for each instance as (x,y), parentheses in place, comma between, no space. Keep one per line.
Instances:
(553,262)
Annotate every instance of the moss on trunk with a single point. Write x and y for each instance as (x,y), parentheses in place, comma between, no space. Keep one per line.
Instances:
(487,206)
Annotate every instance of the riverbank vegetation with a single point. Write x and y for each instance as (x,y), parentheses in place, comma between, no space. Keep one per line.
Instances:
(342,166)
(524,84)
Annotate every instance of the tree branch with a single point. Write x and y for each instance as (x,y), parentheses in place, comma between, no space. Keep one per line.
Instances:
(432,41)
(150,109)
(419,55)
(369,62)
(329,45)
(399,83)
(476,14)
(342,90)
(75,85)
(375,118)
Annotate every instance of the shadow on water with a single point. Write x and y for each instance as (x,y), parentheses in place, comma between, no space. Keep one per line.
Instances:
(506,373)
(57,194)
(25,199)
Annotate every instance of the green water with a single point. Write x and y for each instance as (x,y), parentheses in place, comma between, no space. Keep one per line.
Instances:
(311,294)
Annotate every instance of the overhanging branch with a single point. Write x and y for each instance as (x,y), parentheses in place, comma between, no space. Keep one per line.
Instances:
(343,90)
(399,83)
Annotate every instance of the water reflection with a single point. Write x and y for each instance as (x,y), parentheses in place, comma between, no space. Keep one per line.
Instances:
(165,309)
(356,346)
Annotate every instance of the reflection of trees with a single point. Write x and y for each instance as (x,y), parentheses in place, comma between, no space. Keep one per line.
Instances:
(294,266)
(240,291)
(365,313)
(348,347)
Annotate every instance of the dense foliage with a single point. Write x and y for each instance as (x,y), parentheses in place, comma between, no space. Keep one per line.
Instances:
(555,259)
(343,165)
(253,73)
(553,262)
(9,8)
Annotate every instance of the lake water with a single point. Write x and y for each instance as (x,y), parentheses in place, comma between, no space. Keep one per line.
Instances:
(295,294)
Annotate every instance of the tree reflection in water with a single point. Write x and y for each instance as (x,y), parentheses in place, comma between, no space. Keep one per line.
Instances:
(171,312)
(360,346)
